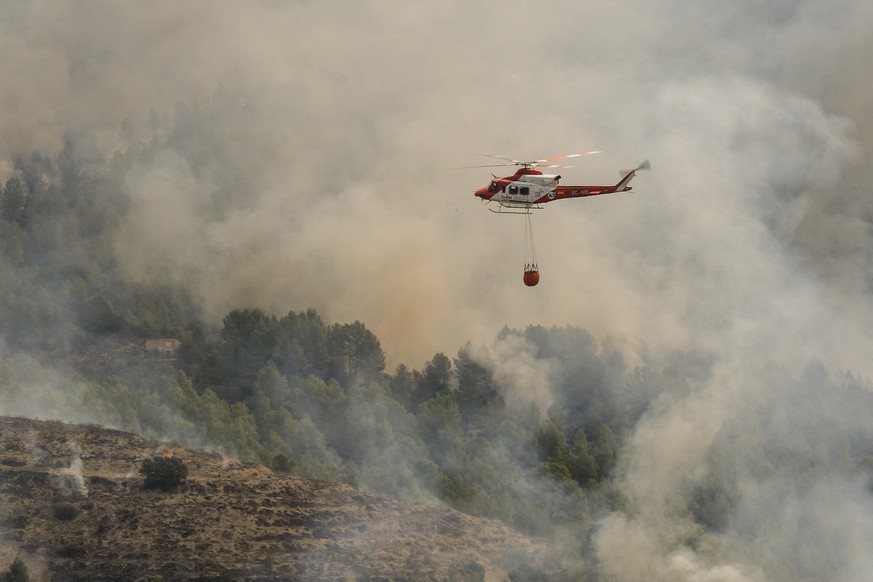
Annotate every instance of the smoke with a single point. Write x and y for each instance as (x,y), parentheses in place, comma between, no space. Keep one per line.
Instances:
(30,390)
(749,477)
(750,238)
(348,120)
(523,377)
(70,479)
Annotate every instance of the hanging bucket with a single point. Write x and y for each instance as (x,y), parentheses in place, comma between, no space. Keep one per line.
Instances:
(531,276)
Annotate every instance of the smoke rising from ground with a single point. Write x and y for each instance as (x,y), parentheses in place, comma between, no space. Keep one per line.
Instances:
(750,238)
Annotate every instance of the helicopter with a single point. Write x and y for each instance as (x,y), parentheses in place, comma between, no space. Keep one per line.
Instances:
(528,189)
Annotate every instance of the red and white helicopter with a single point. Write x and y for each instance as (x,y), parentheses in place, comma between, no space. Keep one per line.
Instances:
(529,188)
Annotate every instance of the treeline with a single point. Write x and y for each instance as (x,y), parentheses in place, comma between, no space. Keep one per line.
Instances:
(312,398)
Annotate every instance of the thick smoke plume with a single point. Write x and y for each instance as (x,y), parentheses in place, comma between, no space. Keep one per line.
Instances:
(344,198)
(750,239)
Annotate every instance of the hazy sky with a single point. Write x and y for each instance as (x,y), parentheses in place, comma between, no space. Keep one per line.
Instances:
(750,237)
(755,117)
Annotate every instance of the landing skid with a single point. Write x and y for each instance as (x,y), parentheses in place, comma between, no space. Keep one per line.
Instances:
(515,208)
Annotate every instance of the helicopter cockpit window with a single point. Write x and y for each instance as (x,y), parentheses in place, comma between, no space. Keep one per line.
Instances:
(493,187)
(513,189)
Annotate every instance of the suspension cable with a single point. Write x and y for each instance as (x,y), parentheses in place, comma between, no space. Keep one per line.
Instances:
(530,254)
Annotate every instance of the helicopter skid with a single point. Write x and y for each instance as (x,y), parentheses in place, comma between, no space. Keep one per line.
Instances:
(515,208)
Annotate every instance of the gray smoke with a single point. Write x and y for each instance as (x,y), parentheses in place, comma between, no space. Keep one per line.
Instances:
(355,115)
(750,238)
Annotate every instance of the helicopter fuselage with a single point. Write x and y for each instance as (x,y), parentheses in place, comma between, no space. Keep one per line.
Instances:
(528,188)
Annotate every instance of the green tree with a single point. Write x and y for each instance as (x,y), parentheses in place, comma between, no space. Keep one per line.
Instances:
(14,201)
(383,442)
(401,386)
(604,448)
(318,399)
(302,347)
(292,444)
(580,461)
(249,338)
(552,438)
(476,387)
(436,378)
(355,353)
(271,383)
(440,423)
(552,442)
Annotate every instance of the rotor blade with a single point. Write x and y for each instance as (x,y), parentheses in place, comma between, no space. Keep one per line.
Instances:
(499,157)
(532,163)
(556,158)
(485,166)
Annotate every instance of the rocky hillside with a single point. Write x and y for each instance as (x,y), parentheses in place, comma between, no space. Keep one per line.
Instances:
(73,507)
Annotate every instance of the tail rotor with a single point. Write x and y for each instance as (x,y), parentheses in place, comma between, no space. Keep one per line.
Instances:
(644,165)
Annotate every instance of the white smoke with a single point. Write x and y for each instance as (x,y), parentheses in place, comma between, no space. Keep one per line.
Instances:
(750,238)
(523,377)
(71,479)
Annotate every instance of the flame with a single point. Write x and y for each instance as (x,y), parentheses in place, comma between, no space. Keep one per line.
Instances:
(168,455)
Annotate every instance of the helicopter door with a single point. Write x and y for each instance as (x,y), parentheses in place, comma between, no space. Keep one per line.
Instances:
(519,193)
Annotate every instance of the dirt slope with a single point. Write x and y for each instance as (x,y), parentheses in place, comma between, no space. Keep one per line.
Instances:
(72,507)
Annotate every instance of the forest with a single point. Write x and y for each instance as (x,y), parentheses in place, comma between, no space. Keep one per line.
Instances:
(314,398)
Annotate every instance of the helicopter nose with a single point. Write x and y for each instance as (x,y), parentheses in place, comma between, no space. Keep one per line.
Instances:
(481,193)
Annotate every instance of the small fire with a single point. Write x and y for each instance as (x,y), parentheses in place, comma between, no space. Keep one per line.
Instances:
(168,455)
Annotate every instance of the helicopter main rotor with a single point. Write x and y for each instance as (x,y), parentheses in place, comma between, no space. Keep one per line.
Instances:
(544,163)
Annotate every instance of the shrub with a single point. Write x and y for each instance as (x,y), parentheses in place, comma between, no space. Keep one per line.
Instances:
(282,463)
(17,572)
(65,511)
(164,473)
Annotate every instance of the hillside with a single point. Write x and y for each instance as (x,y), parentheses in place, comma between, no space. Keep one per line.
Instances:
(72,507)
